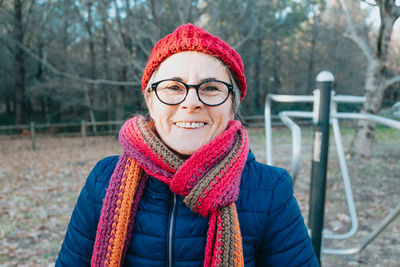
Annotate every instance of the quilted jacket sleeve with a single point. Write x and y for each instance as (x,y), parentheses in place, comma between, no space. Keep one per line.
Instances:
(286,241)
(77,247)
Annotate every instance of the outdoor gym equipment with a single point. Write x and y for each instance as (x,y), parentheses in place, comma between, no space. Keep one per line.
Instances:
(326,79)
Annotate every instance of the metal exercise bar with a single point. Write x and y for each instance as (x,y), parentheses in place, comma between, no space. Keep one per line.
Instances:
(345,177)
(296,155)
(267,112)
(378,229)
(296,135)
(292,99)
(386,221)
(296,131)
(363,116)
(319,159)
(296,138)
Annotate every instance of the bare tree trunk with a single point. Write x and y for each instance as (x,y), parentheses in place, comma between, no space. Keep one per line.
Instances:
(9,107)
(276,65)
(260,92)
(106,69)
(375,82)
(91,90)
(375,88)
(91,115)
(20,66)
(119,109)
(310,71)
(185,11)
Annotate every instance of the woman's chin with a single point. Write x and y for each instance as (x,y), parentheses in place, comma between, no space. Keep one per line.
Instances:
(186,149)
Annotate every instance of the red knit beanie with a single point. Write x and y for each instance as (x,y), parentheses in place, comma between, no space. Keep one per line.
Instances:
(189,37)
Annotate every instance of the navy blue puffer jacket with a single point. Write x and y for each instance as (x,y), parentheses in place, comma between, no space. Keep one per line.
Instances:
(168,233)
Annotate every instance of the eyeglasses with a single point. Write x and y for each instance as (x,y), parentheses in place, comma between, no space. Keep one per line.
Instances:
(174,92)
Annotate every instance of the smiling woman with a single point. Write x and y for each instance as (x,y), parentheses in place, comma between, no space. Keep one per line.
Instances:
(190,124)
(187,191)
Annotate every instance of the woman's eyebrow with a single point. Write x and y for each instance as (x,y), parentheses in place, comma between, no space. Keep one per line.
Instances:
(177,78)
(208,79)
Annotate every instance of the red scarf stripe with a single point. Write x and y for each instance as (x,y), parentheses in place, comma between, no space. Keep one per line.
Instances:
(197,169)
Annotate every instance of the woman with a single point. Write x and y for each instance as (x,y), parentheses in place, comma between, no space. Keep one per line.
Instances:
(187,191)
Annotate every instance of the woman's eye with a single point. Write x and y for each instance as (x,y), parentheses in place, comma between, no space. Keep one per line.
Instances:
(210,88)
(174,87)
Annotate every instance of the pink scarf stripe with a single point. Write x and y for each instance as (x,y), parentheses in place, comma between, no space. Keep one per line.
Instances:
(210,243)
(145,152)
(146,163)
(105,227)
(227,179)
(231,170)
(133,137)
(216,259)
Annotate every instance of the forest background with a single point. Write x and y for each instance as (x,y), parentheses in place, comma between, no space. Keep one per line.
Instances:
(68,60)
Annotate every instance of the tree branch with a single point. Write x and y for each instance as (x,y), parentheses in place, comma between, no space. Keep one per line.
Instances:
(247,37)
(353,35)
(369,3)
(66,74)
(392,81)
(250,33)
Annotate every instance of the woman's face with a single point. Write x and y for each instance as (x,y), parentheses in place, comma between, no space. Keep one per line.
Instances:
(170,121)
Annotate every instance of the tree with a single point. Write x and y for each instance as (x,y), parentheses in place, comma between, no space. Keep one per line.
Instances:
(20,65)
(375,81)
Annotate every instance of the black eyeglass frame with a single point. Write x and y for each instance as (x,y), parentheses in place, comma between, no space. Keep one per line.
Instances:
(188,86)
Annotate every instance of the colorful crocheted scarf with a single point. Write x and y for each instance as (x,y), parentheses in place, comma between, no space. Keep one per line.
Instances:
(209,181)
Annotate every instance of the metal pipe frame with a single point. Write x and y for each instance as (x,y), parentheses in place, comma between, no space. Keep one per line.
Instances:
(295,165)
(346,179)
(296,138)
(378,229)
(296,154)
(364,116)
(291,99)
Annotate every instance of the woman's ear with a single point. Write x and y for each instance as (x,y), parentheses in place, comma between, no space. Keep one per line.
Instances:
(232,115)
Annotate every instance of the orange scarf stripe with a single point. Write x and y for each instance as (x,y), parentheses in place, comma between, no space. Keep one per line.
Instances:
(129,191)
(115,217)
(238,259)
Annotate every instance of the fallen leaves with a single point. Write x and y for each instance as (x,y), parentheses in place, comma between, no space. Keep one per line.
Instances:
(38,190)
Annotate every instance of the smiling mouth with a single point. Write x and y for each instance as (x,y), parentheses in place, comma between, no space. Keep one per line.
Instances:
(189,125)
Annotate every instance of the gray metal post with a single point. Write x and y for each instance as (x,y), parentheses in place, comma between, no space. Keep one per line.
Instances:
(33,135)
(322,95)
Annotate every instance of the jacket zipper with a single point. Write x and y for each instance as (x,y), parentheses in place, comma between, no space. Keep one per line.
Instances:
(171,223)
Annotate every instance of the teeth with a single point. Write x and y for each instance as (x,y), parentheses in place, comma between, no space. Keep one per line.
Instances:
(189,125)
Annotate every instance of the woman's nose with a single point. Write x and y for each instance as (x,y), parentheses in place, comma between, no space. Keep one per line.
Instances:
(192,101)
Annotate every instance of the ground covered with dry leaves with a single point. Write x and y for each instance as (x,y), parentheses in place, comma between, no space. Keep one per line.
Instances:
(38,190)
